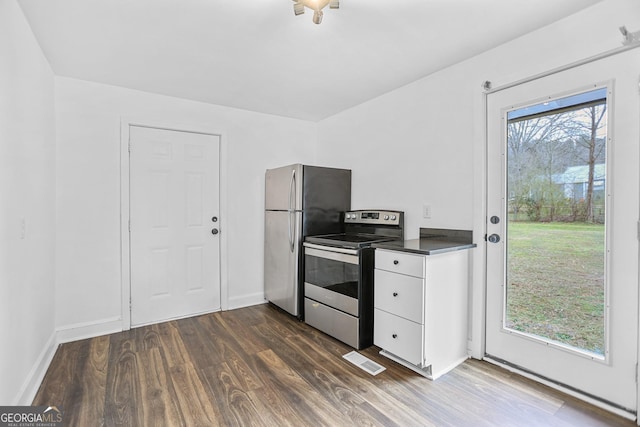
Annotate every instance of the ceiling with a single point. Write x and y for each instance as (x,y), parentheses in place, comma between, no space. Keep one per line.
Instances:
(256,55)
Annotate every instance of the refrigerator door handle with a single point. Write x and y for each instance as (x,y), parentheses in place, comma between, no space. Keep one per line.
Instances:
(290,232)
(291,209)
(291,189)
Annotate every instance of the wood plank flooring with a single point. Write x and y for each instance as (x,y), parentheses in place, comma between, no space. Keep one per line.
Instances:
(258,366)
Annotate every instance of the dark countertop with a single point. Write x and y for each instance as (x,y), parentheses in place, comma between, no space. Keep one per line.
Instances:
(425,246)
(433,241)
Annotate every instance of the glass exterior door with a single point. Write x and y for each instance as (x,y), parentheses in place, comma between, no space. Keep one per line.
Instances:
(562,212)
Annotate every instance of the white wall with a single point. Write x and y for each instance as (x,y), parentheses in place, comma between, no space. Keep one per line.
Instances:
(27,195)
(88,180)
(424,143)
(410,147)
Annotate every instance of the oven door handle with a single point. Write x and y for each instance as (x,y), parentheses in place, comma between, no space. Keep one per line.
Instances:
(336,254)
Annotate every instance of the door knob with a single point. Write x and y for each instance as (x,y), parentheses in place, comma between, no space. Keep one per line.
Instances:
(214,231)
(494,238)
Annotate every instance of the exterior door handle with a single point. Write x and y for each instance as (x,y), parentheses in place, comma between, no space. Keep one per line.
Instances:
(494,238)
(215,231)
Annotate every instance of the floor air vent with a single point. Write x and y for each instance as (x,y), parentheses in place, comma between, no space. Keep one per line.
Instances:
(364,363)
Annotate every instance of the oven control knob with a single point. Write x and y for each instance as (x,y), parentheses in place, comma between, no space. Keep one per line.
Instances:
(393,217)
(386,217)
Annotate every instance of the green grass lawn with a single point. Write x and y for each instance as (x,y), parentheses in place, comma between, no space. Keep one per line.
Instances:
(555,284)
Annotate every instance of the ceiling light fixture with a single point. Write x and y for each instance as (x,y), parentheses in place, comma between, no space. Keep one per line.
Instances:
(316,6)
(629,38)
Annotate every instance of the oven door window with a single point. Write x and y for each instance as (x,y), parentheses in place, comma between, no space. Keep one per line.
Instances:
(332,271)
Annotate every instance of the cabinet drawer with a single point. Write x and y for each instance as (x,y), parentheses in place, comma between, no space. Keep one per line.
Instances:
(399,262)
(399,294)
(399,336)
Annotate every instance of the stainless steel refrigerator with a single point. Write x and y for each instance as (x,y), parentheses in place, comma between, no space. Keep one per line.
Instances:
(300,200)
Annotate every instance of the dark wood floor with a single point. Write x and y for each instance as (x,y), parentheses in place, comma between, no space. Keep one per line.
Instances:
(258,366)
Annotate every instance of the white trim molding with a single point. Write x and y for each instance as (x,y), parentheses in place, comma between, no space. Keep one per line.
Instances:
(32,383)
(246,301)
(81,331)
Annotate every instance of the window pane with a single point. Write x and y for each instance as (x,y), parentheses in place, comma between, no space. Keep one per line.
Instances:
(556,235)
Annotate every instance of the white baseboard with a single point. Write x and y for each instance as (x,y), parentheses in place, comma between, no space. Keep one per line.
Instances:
(81,331)
(246,301)
(34,379)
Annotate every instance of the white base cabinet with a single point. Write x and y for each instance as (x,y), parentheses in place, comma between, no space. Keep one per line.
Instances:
(420,309)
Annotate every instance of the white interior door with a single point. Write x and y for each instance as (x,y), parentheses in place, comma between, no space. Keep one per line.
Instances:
(524,217)
(174,198)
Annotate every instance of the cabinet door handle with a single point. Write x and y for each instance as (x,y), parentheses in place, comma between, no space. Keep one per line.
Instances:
(395,294)
(396,262)
(394,336)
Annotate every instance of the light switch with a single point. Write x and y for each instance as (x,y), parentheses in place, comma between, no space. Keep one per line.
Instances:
(426,211)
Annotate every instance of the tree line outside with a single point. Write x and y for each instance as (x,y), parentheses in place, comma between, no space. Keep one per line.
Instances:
(541,149)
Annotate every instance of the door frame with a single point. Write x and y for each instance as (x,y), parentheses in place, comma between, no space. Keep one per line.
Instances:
(125,235)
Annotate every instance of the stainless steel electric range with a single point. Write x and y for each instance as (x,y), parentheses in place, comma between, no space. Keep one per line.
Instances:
(338,275)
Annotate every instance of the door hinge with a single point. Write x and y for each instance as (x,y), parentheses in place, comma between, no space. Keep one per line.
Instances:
(129,226)
(636,373)
(129,145)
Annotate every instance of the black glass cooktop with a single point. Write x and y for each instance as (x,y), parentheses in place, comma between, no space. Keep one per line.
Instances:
(348,240)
